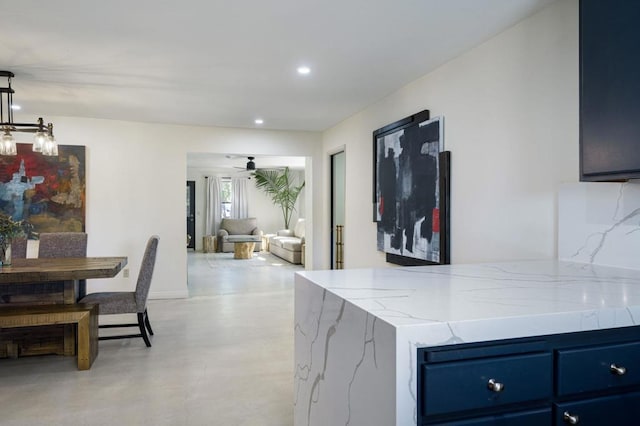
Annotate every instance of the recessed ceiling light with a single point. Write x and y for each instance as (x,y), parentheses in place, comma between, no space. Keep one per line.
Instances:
(259,121)
(304,70)
(16,107)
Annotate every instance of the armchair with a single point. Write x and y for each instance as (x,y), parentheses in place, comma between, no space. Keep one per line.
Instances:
(238,228)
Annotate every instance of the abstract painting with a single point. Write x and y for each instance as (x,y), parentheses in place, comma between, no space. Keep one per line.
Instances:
(46,192)
(407,196)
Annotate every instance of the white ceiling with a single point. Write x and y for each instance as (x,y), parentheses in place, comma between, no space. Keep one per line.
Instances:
(226,62)
(234,164)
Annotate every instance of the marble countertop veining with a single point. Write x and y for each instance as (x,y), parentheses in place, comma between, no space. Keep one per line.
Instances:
(415,296)
(357,330)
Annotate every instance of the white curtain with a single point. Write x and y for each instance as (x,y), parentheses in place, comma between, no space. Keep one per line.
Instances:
(239,202)
(213,207)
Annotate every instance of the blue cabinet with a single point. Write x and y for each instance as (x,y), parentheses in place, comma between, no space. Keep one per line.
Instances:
(597,368)
(612,410)
(588,378)
(486,383)
(537,417)
(609,90)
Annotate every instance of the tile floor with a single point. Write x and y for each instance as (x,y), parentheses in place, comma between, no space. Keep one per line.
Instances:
(222,357)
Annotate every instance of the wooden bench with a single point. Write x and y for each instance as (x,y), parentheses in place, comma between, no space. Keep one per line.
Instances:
(85,317)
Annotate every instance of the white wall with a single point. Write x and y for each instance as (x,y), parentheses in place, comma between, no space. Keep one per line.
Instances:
(598,223)
(511,123)
(136,175)
(261,207)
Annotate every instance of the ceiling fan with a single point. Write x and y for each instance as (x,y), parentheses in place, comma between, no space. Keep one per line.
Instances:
(250,167)
(250,164)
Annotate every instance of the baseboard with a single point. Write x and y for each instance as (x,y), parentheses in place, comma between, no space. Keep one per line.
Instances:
(169,294)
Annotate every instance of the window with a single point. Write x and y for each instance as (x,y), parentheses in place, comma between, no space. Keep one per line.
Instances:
(225,197)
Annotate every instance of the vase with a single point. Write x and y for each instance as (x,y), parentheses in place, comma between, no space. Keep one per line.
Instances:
(5,254)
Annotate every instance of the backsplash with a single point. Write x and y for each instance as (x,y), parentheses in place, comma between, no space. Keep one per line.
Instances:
(600,223)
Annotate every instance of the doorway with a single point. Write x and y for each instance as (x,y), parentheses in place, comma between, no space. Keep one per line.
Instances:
(191,214)
(337,209)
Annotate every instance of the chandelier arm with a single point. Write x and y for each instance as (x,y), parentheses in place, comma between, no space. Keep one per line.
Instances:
(15,127)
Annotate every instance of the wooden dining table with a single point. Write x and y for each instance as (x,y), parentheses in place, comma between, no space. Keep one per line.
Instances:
(48,281)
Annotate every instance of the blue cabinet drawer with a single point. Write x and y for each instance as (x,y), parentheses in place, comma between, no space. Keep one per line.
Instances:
(618,410)
(466,385)
(539,417)
(598,368)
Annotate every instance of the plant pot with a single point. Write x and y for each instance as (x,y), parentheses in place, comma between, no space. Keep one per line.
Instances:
(5,254)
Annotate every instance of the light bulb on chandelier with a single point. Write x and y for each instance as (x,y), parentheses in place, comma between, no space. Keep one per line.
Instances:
(44,141)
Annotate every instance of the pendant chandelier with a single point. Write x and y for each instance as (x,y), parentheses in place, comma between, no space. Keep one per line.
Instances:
(44,141)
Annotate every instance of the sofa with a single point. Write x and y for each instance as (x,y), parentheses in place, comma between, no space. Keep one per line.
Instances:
(289,245)
(234,229)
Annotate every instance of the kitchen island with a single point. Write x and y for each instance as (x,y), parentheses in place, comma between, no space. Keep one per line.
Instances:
(359,332)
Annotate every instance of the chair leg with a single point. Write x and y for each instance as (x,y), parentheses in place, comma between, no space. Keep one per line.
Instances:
(143,330)
(146,322)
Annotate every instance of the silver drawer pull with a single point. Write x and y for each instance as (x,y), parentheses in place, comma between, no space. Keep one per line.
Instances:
(495,386)
(618,371)
(568,418)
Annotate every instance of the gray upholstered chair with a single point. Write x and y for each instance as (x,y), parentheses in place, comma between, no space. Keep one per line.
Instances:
(133,302)
(63,244)
(19,248)
(246,229)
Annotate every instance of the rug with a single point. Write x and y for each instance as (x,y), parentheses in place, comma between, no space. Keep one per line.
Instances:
(259,260)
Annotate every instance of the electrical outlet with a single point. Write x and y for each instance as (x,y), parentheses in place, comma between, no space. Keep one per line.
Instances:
(125,273)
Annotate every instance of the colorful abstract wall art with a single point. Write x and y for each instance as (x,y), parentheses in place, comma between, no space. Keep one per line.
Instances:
(47,192)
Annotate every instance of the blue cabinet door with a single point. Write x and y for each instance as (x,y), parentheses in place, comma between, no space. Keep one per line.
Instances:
(598,368)
(459,386)
(609,90)
(618,410)
(539,417)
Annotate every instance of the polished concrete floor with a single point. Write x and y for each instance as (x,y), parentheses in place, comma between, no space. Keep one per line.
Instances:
(222,357)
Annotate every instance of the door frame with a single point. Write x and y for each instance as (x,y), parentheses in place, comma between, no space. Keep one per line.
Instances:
(332,224)
(191,184)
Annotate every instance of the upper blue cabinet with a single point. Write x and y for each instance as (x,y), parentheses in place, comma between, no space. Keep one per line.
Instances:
(609,90)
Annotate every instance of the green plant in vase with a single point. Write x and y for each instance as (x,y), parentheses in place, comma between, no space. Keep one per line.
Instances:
(9,229)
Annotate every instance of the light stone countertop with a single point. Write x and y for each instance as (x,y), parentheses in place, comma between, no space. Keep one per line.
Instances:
(425,295)
(357,331)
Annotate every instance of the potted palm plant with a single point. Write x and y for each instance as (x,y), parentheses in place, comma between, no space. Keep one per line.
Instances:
(9,229)
(279,185)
